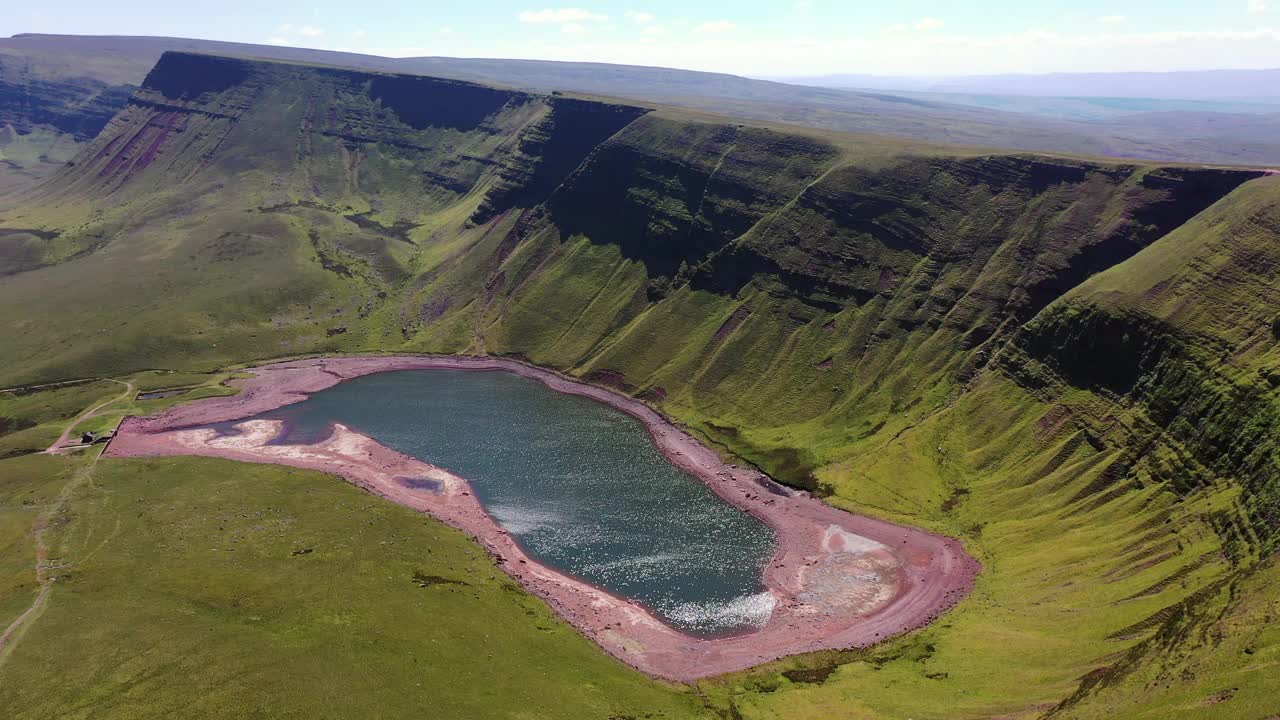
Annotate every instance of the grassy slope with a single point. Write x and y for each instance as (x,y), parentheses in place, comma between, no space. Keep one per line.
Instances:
(210,589)
(1217,659)
(1084,555)
(27,159)
(872,320)
(281,246)
(1079,567)
(1211,285)
(27,486)
(34,420)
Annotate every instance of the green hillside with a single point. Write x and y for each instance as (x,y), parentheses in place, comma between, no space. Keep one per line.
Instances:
(1070,364)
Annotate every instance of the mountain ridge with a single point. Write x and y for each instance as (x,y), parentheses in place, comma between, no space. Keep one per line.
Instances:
(1229,139)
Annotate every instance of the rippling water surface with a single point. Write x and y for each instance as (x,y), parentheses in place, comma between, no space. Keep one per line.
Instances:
(579,483)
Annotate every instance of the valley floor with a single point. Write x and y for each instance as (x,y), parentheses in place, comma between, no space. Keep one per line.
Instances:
(206,587)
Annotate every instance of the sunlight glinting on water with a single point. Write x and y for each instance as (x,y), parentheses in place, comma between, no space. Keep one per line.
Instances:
(580,485)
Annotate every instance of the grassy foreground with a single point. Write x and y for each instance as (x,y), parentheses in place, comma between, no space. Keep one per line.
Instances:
(204,588)
(219,589)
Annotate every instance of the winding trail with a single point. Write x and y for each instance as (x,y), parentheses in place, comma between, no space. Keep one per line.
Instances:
(57,447)
(40,528)
(44,578)
(836,581)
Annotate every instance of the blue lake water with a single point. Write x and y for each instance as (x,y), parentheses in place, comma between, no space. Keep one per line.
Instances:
(578,483)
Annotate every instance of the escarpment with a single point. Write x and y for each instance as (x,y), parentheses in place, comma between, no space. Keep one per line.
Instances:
(319,127)
(1159,377)
(671,193)
(916,265)
(1003,236)
(1212,423)
(452,216)
(1184,335)
(551,150)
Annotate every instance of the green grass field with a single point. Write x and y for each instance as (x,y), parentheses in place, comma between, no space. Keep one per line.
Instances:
(27,159)
(206,588)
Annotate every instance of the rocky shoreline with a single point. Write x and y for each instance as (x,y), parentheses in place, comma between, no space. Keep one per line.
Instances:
(838,580)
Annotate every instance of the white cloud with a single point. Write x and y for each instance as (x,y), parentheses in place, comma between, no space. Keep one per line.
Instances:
(1113,19)
(715,26)
(359,34)
(1258,7)
(640,18)
(446,30)
(905,51)
(572,28)
(398,52)
(803,5)
(560,16)
(290,34)
(899,27)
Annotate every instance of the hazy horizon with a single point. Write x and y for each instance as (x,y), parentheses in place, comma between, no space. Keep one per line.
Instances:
(788,39)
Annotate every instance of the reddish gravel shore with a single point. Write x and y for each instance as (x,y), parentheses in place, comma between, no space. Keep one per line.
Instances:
(838,580)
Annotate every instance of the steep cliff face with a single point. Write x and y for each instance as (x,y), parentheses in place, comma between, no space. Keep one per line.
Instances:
(878,281)
(324,130)
(552,149)
(855,234)
(1166,365)
(671,193)
(1185,334)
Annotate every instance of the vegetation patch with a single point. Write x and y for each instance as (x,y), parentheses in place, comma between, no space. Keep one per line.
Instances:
(424,580)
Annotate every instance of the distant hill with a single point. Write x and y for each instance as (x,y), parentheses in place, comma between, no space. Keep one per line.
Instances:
(1183,135)
(1204,85)
(1090,109)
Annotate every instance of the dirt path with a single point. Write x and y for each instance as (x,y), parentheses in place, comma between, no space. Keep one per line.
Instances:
(56,447)
(44,578)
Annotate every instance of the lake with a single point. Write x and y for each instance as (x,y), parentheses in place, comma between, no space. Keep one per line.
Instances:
(578,483)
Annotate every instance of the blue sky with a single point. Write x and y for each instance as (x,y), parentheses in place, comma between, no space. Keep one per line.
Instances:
(774,37)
